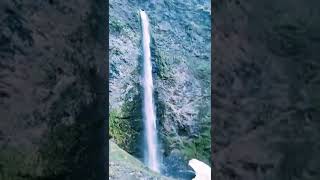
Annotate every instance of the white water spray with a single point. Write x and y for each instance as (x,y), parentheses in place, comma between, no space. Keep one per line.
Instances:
(151,156)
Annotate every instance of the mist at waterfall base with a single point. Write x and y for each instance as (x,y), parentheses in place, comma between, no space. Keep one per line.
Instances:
(174,166)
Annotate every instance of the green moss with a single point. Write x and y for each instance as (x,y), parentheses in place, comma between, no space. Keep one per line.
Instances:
(202,71)
(121,130)
(199,148)
(117,25)
(125,124)
(163,70)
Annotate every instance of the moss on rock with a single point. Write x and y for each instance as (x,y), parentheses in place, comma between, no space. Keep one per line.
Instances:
(122,130)
(199,147)
(125,123)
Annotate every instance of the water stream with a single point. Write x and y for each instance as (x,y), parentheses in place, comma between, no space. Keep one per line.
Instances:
(151,153)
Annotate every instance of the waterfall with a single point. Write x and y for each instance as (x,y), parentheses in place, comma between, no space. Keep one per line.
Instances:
(151,154)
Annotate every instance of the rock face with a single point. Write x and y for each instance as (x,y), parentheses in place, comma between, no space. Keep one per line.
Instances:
(180,48)
(266,90)
(52,89)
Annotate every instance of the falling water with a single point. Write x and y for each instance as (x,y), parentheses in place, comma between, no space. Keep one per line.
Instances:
(151,156)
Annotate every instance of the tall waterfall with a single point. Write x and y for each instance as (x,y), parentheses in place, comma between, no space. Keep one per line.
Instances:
(151,154)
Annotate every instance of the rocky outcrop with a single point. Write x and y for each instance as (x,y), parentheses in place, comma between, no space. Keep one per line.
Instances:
(52,89)
(265,90)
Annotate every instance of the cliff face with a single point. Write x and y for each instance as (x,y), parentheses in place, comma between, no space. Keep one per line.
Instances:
(181,60)
(265,90)
(52,89)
